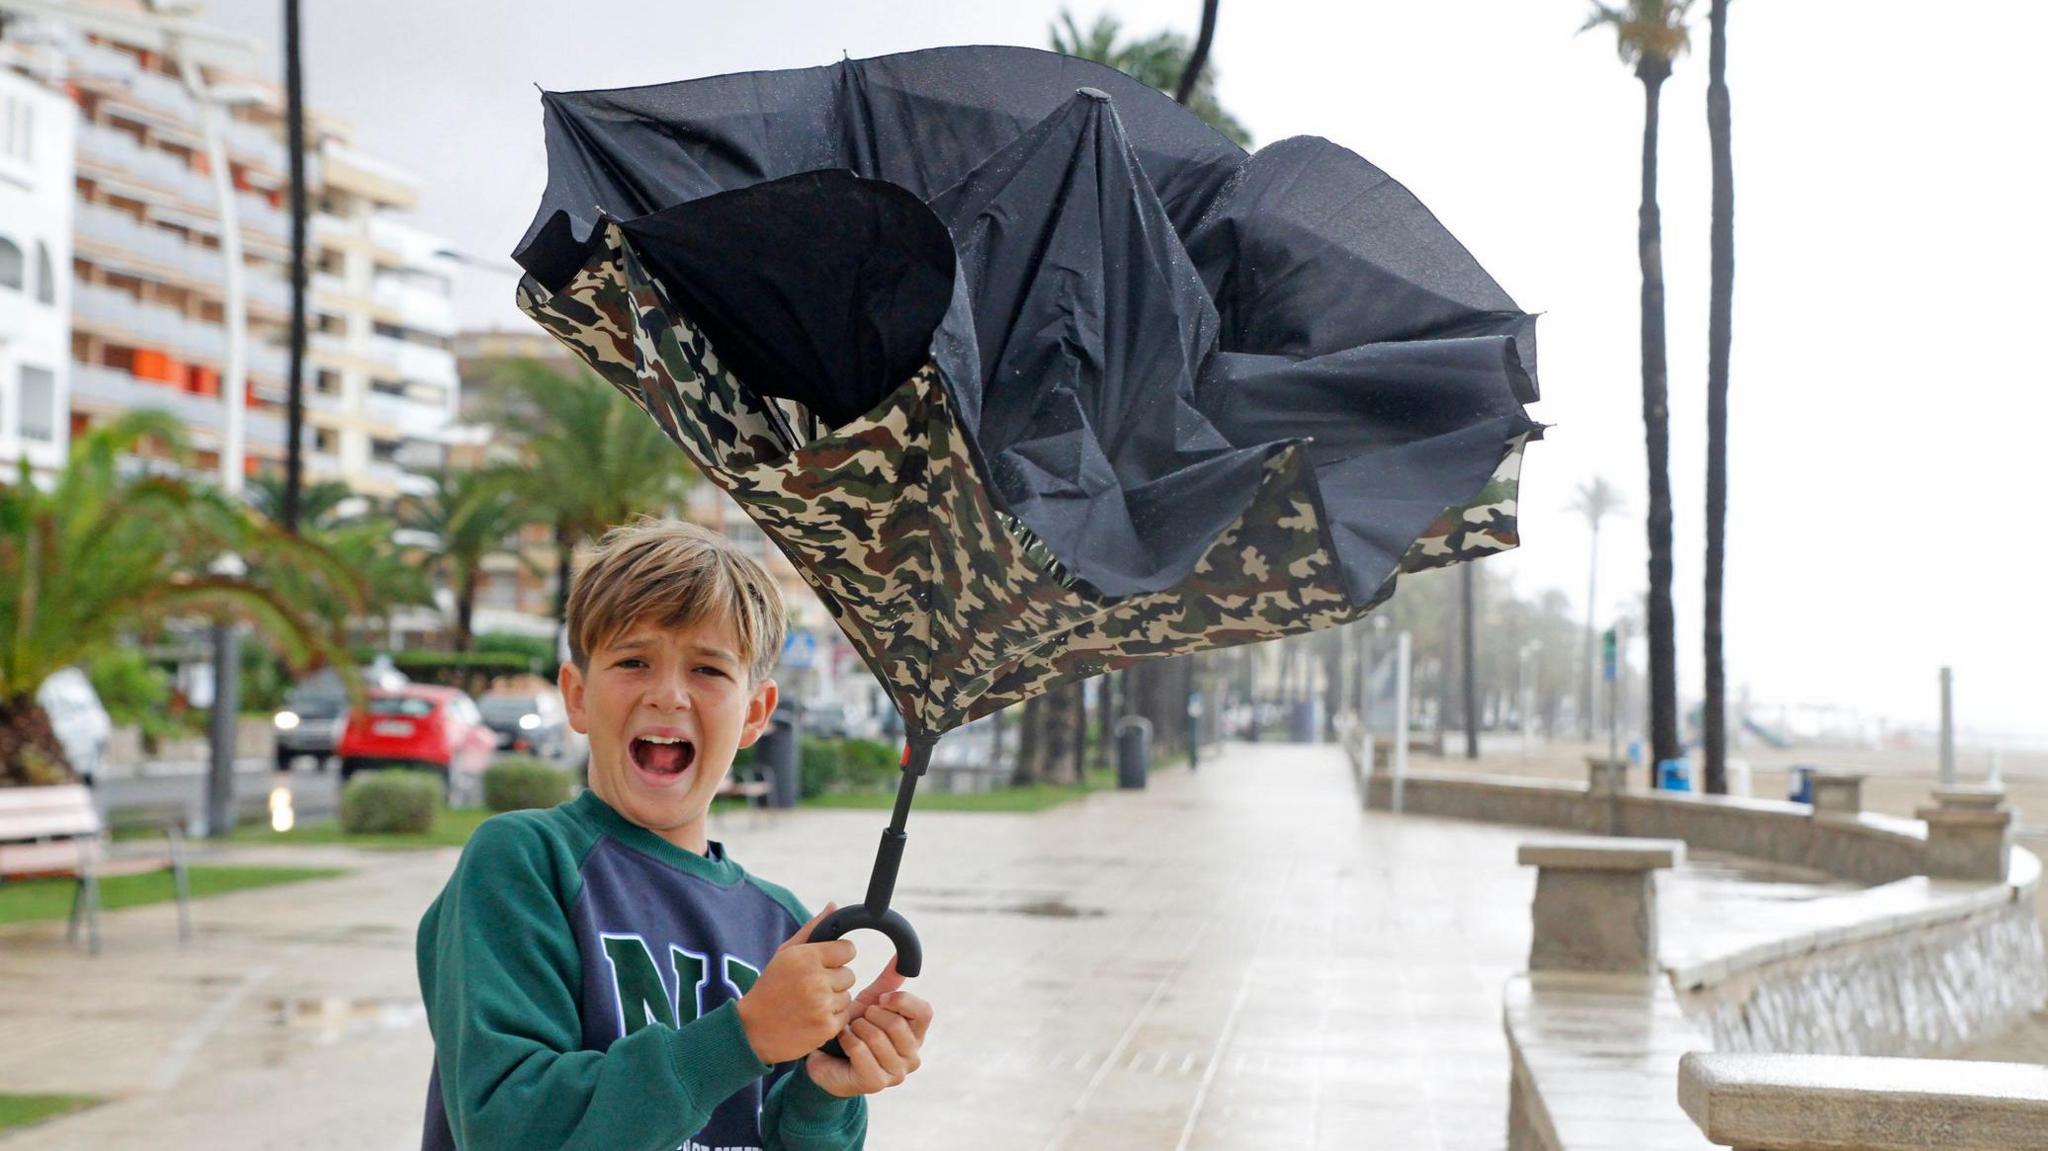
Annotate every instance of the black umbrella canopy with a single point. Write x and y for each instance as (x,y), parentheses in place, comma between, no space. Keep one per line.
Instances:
(1030,372)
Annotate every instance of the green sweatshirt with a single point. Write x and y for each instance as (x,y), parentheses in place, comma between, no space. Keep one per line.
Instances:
(581,976)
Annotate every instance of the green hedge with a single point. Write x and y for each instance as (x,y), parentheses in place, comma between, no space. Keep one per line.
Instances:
(847,765)
(386,802)
(514,784)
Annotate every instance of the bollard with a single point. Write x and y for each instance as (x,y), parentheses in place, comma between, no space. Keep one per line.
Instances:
(1969,833)
(1596,902)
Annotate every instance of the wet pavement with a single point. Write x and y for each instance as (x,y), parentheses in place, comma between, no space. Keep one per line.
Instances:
(1235,957)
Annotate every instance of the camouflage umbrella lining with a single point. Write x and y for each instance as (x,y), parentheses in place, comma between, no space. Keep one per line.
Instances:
(1051,633)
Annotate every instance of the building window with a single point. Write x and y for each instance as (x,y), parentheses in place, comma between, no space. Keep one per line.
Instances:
(327,382)
(46,275)
(323,440)
(38,404)
(11,270)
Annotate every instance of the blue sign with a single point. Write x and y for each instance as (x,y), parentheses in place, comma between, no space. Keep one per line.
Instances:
(1607,655)
(799,650)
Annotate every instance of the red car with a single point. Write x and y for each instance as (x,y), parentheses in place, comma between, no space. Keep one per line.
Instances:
(419,726)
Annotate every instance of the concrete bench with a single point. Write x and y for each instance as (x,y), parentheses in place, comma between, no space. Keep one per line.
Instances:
(1847,1103)
(56,833)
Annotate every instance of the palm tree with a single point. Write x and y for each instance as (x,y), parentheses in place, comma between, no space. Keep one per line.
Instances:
(319,507)
(103,554)
(1720,315)
(591,459)
(1596,500)
(469,513)
(361,541)
(1649,34)
(1161,60)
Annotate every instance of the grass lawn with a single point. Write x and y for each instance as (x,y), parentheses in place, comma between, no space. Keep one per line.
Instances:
(34,899)
(22,1110)
(1029,798)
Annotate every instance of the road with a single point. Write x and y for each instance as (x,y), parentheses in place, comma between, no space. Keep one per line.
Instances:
(170,788)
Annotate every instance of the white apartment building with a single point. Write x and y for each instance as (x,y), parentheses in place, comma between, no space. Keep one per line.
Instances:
(148,304)
(35,276)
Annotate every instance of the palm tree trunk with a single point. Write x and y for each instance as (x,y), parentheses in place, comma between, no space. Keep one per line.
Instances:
(1192,73)
(1720,311)
(295,138)
(1663,626)
(1030,735)
(1592,591)
(565,558)
(465,606)
(30,753)
(1469,659)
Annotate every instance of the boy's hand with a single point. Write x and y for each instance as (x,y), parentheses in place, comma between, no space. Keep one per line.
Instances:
(801,999)
(881,1042)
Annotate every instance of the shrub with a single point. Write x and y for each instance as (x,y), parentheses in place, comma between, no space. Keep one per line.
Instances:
(388,802)
(846,765)
(129,686)
(513,784)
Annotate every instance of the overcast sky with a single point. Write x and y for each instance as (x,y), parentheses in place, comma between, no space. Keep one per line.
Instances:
(1888,398)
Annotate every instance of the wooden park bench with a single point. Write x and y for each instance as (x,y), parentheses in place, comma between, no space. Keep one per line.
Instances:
(56,833)
(755,790)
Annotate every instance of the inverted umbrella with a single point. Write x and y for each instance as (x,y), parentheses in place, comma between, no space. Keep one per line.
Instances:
(1030,372)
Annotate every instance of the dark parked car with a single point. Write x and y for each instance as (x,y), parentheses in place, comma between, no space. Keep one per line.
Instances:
(533,723)
(315,711)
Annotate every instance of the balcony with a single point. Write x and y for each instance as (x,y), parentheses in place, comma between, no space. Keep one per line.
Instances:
(116,311)
(415,362)
(112,388)
(413,418)
(417,305)
(162,250)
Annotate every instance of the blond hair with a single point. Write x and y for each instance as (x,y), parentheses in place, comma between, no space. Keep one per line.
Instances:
(673,574)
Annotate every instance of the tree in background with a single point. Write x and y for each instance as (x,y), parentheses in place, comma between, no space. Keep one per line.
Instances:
(360,537)
(590,460)
(1720,320)
(469,514)
(106,553)
(1159,60)
(1596,500)
(1649,35)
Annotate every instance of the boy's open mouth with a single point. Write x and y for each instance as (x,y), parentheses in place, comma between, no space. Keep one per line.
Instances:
(663,756)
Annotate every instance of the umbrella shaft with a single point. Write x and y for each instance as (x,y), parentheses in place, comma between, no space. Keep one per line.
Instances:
(889,856)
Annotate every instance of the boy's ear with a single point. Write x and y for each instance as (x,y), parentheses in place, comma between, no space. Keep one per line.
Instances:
(759,708)
(570,681)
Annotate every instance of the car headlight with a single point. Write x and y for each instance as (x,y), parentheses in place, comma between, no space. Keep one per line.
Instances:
(287,720)
(529,721)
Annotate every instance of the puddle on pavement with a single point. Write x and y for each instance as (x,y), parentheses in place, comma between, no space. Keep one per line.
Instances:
(329,1019)
(1054,908)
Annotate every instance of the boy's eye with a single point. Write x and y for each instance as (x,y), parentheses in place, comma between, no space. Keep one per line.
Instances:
(710,670)
(631,661)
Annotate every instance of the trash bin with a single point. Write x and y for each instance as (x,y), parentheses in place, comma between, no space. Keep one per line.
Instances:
(1674,775)
(1133,751)
(1802,783)
(1302,727)
(776,754)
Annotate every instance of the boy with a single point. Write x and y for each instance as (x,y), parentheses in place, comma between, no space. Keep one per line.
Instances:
(601,974)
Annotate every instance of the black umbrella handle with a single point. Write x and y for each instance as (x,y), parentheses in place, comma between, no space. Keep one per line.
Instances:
(874,914)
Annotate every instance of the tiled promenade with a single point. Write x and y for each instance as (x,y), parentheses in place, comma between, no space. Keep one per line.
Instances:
(1236,958)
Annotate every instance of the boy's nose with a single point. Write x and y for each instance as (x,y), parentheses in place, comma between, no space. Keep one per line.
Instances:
(669,693)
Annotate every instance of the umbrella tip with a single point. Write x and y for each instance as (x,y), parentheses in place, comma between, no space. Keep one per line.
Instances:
(1092,94)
